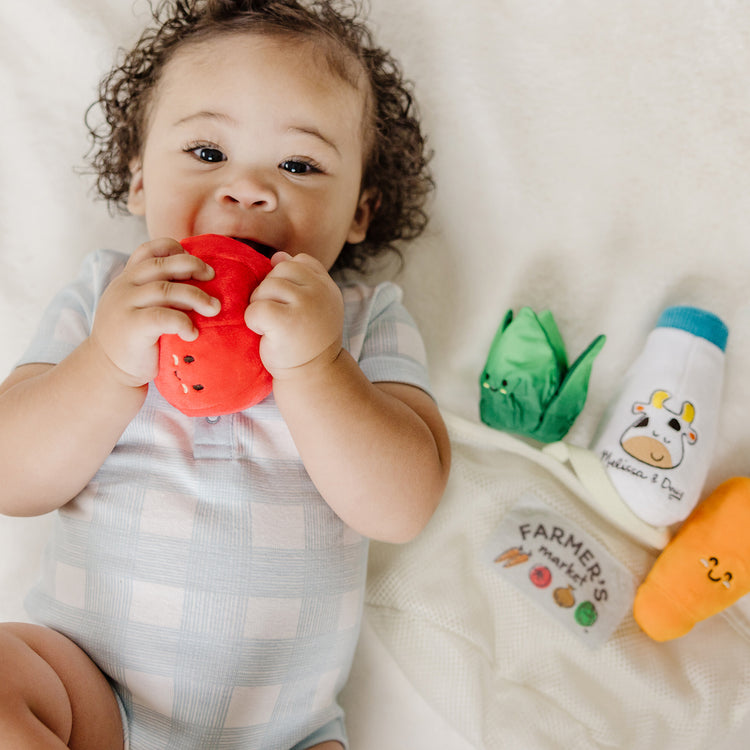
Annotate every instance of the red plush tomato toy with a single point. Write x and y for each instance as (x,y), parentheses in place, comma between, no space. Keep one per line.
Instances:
(221,371)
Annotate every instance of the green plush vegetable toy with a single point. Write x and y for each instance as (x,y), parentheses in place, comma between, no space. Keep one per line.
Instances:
(526,385)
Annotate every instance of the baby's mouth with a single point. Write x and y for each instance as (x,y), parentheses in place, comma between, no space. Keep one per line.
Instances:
(259,247)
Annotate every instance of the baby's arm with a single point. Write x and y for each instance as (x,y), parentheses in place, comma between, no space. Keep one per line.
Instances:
(59,423)
(378,453)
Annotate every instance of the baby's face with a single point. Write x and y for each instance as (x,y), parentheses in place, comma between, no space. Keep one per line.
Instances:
(255,138)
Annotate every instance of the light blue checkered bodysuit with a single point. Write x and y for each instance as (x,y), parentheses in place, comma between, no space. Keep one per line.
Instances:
(200,569)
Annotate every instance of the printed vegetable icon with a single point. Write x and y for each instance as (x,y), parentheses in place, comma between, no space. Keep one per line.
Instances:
(564,597)
(526,385)
(511,557)
(586,614)
(540,576)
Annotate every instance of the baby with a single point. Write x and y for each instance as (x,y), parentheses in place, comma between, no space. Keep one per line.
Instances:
(204,584)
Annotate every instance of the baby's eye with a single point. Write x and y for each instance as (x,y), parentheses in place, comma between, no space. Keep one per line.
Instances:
(298,166)
(209,154)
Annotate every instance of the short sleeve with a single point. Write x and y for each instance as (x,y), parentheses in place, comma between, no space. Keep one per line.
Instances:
(68,319)
(382,336)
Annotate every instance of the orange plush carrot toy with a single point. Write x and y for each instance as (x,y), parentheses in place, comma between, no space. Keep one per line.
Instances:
(703,570)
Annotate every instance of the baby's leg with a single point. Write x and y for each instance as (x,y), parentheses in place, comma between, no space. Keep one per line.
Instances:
(52,695)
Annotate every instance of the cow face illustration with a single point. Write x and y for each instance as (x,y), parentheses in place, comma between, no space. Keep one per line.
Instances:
(659,435)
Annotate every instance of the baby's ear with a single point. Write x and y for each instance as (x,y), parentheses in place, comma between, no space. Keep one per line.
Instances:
(369,202)
(136,202)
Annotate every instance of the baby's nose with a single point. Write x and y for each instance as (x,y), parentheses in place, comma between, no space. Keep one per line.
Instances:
(249,190)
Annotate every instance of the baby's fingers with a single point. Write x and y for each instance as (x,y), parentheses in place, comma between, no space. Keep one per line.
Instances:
(166,259)
(156,321)
(175,295)
(162,247)
(264,315)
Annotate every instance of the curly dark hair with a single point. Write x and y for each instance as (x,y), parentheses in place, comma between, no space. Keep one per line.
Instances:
(396,162)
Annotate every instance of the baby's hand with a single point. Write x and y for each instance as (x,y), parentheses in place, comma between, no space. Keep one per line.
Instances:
(299,313)
(147,300)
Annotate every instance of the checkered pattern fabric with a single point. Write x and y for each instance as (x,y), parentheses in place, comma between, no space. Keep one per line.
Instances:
(200,568)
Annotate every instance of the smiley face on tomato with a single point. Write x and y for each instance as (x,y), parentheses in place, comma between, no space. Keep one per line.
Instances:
(221,371)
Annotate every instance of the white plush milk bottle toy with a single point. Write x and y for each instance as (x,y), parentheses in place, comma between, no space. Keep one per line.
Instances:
(657,440)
